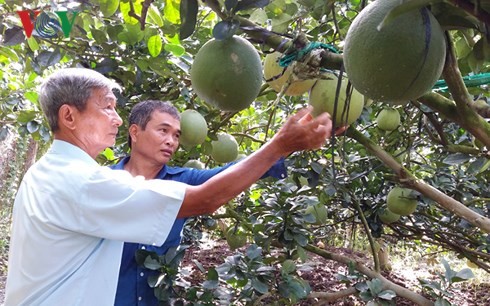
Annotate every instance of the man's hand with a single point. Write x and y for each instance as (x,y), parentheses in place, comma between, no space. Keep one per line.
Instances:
(303,132)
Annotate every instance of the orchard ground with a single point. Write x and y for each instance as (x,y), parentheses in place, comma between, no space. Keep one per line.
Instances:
(408,265)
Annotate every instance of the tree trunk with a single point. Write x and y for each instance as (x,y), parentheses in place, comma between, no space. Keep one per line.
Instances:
(31,154)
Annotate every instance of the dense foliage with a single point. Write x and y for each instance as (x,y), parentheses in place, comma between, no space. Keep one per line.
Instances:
(440,149)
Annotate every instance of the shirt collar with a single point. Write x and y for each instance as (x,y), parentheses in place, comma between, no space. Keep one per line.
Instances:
(166,170)
(65,148)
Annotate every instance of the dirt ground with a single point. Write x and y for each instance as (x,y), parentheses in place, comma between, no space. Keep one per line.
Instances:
(322,277)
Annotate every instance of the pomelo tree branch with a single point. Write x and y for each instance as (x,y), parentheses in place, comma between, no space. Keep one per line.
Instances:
(481,107)
(465,116)
(470,8)
(387,284)
(332,296)
(408,179)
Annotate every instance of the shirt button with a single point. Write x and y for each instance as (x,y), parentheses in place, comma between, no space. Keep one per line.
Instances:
(142,274)
(143,248)
(139,298)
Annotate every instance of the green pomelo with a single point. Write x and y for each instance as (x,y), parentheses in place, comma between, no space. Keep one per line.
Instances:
(400,62)
(194,163)
(387,217)
(227,73)
(319,211)
(272,69)
(225,149)
(401,201)
(322,97)
(194,128)
(388,119)
(241,156)
(235,238)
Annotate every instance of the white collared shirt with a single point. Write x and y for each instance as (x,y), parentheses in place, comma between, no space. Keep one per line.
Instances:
(70,219)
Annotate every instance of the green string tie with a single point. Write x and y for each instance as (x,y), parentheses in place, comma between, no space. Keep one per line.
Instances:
(469,81)
(286,59)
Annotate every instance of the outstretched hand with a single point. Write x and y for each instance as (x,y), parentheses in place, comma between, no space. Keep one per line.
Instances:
(304,132)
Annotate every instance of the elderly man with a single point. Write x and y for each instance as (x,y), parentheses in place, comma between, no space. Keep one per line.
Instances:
(71,216)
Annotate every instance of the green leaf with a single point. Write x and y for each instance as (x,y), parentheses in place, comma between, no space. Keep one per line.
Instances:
(259,286)
(361,287)
(225,29)
(366,296)
(31,96)
(48,58)
(99,36)
(176,50)
(230,4)
(188,15)
(140,256)
(32,126)
(152,263)
(32,42)
(171,12)
(13,36)
(288,266)
(253,251)
(142,64)
(155,45)
(213,274)
(375,286)
(248,4)
(132,34)
(108,153)
(210,284)
(10,54)
(155,15)
(387,295)
(281,23)
(108,7)
(463,275)
(26,116)
(456,159)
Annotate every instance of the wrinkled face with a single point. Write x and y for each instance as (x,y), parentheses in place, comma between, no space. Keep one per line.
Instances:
(97,125)
(160,139)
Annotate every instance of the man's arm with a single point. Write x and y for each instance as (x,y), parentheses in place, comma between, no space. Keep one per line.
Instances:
(300,132)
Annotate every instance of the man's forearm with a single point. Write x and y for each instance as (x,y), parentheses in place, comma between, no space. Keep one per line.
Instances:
(223,187)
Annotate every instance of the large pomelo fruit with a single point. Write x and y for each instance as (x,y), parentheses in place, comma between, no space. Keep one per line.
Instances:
(225,149)
(400,62)
(401,201)
(273,69)
(322,97)
(227,73)
(194,128)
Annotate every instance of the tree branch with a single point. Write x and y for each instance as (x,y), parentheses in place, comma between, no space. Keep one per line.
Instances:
(470,8)
(387,284)
(465,115)
(408,179)
(332,296)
